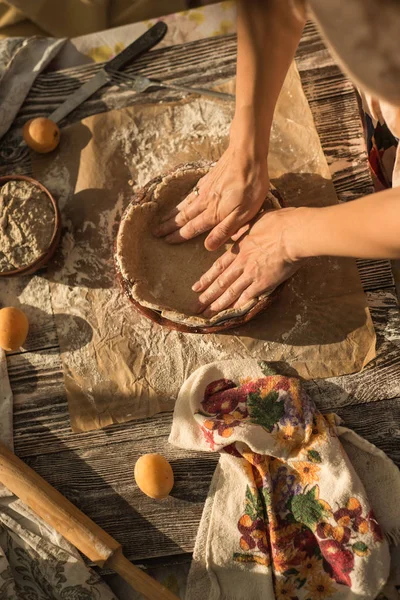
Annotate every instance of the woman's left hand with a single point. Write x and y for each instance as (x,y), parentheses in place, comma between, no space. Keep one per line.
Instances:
(258,262)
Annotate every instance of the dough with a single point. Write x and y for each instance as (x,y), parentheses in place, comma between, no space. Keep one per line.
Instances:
(27,221)
(161,275)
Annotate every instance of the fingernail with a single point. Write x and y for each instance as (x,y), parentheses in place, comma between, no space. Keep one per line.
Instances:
(196,287)
(211,245)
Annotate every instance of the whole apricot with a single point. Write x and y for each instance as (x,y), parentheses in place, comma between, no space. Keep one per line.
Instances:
(41,134)
(13,328)
(154,476)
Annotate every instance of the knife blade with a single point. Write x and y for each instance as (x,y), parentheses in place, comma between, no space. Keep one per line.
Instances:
(78,97)
(146,41)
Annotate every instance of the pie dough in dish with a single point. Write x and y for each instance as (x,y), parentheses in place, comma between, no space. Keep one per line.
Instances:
(160,275)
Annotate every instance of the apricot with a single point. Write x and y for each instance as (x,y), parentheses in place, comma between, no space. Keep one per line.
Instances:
(154,476)
(41,135)
(13,328)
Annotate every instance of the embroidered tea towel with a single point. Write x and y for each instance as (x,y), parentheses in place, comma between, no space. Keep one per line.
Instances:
(287,516)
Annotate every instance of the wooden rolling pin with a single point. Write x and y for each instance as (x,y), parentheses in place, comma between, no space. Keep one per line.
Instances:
(76,527)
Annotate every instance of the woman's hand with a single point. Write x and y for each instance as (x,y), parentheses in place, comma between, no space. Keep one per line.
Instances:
(259,262)
(233,191)
(227,198)
(281,240)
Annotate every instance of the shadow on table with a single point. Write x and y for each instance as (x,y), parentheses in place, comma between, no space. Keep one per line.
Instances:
(189,474)
(42,334)
(89,487)
(86,257)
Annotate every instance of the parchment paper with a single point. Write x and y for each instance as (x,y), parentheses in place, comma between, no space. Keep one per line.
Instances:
(118,365)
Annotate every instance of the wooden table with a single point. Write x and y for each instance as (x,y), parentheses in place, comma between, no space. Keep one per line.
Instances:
(95,470)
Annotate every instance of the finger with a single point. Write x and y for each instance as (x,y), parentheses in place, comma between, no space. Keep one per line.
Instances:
(196,196)
(247,226)
(220,285)
(230,295)
(190,199)
(172,213)
(193,228)
(236,236)
(211,275)
(177,221)
(223,231)
(249,294)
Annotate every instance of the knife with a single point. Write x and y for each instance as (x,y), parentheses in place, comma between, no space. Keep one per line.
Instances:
(146,41)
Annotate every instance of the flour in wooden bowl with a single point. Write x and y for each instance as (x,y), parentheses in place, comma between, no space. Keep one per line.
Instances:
(27,223)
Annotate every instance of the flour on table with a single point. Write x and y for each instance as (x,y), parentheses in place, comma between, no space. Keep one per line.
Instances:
(57,180)
(150,144)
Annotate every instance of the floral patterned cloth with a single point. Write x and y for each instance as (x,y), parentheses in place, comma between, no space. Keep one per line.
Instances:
(287,516)
(185,26)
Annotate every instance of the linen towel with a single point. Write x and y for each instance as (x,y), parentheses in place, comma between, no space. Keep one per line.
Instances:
(287,515)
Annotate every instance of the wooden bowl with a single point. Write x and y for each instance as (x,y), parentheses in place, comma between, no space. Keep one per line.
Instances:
(140,197)
(44,258)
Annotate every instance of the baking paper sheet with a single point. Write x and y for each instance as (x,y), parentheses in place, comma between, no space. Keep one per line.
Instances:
(118,365)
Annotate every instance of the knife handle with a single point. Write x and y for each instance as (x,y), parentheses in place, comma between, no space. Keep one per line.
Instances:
(146,41)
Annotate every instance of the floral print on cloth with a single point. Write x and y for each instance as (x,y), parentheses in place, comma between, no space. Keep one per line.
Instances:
(290,504)
(185,26)
(286,523)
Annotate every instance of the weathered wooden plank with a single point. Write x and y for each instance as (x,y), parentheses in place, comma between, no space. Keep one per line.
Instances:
(329,92)
(42,420)
(196,63)
(375,274)
(100,481)
(380,380)
(380,427)
(337,118)
(51,386)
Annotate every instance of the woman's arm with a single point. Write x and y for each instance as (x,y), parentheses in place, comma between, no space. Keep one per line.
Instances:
(268,33)
(365,228)
(279,241)
(232,193)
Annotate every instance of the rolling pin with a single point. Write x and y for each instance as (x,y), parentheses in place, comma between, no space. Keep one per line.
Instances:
(76,527)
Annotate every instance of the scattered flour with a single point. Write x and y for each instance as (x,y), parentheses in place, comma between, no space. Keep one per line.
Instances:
(57,179)
(149,144)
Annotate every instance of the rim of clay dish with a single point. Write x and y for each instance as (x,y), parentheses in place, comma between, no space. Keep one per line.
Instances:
(140,197)
(43,259)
